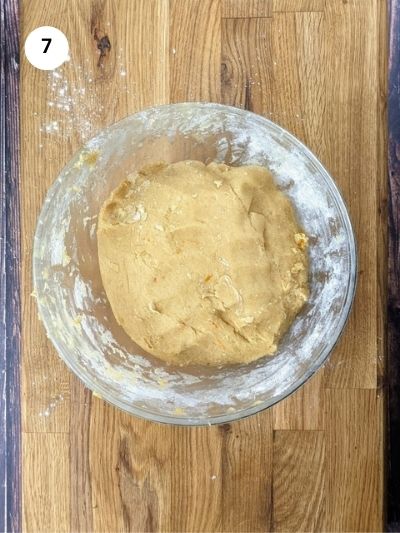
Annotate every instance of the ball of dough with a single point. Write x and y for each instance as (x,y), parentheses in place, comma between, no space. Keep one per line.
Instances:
(203,263)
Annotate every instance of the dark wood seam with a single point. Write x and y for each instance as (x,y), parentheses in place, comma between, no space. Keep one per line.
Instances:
(10,426)
(293,11)
(247,18)
(393,331)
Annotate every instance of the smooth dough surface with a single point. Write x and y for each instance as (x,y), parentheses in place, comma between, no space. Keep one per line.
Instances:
(203,264)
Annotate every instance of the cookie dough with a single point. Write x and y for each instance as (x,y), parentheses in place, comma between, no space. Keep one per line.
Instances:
(203,263)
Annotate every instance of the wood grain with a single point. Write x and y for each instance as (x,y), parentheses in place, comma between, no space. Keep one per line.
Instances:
(354,495)
(196,484)
(297,6)
(246,64)
(299,500)
(246,8)
(42,487)
(10,426)
(303,409)
(299,47)
(246,470)
(281,59)
(195,50)
(80,477)
(129,464)
(352,120)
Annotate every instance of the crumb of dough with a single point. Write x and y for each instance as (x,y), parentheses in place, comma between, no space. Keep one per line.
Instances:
(203,264)
(179,411)
(87,158)
(162,383)
(78,321)
(66,259)
(301,240)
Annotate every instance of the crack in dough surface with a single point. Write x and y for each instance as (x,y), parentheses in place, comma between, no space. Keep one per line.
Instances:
(203,263)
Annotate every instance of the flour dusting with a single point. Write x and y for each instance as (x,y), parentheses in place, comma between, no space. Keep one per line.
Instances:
(73,100)
(47,411)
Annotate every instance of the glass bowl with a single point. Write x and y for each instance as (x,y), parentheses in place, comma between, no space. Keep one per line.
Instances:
(73,304)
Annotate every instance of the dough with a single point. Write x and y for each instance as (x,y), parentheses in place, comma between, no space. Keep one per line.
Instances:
(203,264)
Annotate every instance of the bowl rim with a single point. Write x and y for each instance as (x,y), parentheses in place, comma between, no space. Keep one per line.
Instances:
(100,391)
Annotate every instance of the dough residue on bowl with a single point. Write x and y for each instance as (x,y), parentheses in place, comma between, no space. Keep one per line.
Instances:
(203,263)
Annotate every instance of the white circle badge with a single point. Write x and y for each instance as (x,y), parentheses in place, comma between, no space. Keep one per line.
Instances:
(46,48)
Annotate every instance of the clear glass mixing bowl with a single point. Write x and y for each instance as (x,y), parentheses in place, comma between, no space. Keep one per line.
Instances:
(73,304)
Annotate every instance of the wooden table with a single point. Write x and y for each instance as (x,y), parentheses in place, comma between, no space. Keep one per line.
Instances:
(316,460)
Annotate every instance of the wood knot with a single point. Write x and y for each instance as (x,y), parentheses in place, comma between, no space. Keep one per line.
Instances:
(225,429)
(225,74)
(103,44)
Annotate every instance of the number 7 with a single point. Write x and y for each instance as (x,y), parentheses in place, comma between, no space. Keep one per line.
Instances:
(47,45)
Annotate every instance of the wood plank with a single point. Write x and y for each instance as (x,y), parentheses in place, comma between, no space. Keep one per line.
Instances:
(246,8)
(298,43)
(298,499)
(195,50)
(393,310)
(296,6)
(355,463)
(10,304)
(196,476)
(245,64)
(127,460)
(45,498)
(81,506)
(247,460)
(44,378)
(352,124)
(303,409)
